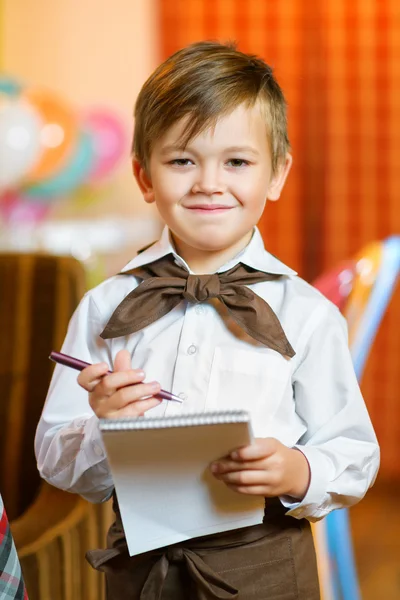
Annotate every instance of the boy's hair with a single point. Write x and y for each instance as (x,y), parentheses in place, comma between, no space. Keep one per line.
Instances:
(203,82)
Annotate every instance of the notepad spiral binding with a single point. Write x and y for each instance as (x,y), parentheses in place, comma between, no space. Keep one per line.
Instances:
(188,420)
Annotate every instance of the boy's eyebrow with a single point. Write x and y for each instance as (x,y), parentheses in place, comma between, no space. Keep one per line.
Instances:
(242,149)
(178,148)
(172,148)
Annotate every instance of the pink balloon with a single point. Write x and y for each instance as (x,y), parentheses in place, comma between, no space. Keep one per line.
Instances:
(16,209)
(110,139)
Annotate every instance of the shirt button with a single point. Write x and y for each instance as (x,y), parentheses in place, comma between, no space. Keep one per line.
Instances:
(97,450)
(192,349)
(199,309)
(182,396)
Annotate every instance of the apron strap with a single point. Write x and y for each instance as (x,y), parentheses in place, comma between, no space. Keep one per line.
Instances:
(202,574)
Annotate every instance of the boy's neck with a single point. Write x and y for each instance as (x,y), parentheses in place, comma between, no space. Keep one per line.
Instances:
(202,262)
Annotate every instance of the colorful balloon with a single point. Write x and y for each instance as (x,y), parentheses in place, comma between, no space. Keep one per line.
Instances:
(58,135)
(73,174)
(9,86)
(16,209)
(110,141)
(20,147)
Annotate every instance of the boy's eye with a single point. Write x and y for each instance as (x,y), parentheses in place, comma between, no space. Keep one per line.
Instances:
(237,162)
(181,162)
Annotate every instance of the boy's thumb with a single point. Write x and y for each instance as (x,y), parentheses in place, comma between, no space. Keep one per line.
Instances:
(122,361)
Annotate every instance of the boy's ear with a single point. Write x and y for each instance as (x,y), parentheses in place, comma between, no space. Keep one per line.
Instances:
(143,181)
(278,180)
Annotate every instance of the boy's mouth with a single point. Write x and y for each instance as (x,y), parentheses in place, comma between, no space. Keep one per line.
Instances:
(209,208)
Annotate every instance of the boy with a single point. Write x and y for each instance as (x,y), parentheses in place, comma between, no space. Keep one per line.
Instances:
(212,316)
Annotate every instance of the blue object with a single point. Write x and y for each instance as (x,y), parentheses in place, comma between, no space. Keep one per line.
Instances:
(345,582)
(73,174)
(9,86)
(380,297)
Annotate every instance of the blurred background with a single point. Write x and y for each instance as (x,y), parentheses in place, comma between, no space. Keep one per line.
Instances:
(70,71)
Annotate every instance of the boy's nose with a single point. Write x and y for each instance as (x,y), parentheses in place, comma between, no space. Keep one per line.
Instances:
(208,183)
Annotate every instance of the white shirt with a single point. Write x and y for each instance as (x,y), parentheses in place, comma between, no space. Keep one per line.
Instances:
(311,401)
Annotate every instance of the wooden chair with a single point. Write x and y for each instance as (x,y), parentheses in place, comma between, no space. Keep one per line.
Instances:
(52,529)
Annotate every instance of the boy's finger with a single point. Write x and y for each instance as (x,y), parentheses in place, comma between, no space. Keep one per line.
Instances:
(90,377)
(259,477)
(253,490)
(120,379)
(260,448)
(122,361)
(232,466)
(131,394)
(138,408)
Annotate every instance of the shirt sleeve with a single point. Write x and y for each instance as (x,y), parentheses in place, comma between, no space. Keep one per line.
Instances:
(68,445)
(340,443)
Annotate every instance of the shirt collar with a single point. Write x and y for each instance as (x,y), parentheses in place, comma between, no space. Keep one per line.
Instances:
(254,255)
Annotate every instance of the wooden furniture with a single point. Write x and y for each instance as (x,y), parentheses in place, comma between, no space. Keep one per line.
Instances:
(52,529)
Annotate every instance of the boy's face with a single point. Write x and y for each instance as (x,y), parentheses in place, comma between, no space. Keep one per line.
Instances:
(212,193)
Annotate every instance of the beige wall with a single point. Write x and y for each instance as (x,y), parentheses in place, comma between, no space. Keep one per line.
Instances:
(92,52)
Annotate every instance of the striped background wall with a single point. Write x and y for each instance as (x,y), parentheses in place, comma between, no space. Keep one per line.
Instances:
(339,65)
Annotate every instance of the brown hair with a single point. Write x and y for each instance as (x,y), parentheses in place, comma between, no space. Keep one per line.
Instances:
(203,82)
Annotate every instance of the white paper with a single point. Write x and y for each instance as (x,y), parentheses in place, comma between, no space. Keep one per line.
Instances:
(165,490)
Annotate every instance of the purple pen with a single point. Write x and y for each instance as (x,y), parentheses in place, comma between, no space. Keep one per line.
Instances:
(79,365)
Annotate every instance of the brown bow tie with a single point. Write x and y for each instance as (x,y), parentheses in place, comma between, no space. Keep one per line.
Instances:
(166,284)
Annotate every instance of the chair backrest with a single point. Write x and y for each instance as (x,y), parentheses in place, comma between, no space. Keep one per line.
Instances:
(378,268)
(337,283)
(38,294)
(370,284)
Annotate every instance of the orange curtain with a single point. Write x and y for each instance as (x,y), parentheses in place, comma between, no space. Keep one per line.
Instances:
(339,65)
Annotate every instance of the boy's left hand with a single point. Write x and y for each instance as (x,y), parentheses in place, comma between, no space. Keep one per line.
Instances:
(265,468)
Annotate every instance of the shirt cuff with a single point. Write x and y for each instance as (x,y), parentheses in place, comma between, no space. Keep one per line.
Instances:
(93,445)
(316,502)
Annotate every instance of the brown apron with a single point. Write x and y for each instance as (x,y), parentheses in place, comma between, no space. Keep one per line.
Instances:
(271,561)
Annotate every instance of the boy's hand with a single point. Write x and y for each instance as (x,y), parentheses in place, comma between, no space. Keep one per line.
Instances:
(265,468)
(120,393)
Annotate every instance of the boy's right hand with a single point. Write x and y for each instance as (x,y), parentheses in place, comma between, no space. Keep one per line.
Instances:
(121,393)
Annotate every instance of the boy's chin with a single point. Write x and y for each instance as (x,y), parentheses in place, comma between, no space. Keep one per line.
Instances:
(221,243)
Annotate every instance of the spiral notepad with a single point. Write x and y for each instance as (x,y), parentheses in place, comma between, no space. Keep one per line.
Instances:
(165,489)
(193,419)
